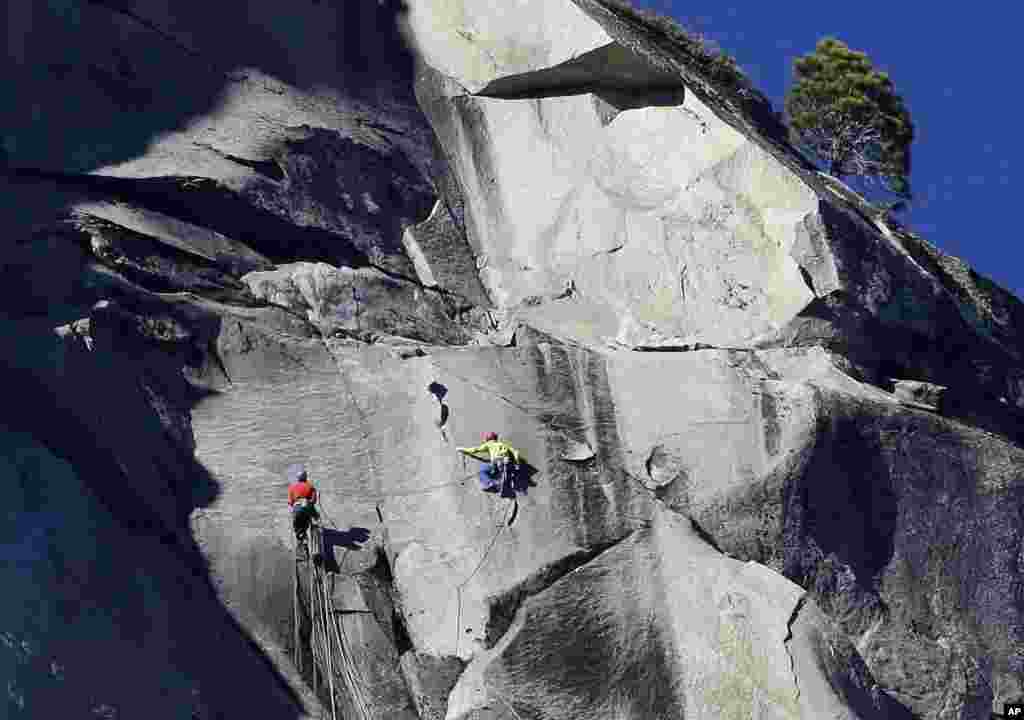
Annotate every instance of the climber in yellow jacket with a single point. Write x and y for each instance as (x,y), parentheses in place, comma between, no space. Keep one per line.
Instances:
(499,454)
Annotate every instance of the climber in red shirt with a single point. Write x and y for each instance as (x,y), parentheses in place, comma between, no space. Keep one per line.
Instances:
(302,499)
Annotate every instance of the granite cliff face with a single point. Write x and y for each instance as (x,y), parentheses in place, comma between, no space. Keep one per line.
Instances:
(774,443)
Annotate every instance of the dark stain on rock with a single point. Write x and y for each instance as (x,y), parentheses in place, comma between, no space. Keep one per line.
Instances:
(611,463)
(770,415)
(569,378)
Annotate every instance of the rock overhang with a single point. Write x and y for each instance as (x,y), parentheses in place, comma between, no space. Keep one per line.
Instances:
(637,180)
(474,42)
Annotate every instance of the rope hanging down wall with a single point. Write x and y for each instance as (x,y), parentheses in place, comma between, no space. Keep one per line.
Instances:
(333,659)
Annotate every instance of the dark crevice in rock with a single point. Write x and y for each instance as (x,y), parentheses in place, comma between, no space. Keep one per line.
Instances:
(443,118)
(808,280)
(155,265)
(313,329)
(381,572)
(206,203)
(702,533)
(403,642)
(680,348)
(215,356)
(269,169)
(344,611)
(789,636)
(503,607)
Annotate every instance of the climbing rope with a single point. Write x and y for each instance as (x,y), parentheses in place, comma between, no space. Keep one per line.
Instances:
(407,493)
(329,644)
(461,585)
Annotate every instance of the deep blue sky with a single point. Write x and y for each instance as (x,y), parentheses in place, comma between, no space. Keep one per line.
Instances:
(957,69)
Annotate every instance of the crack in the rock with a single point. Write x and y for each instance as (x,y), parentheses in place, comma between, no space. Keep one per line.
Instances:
(295,314)
(206,203)
(523,409)
(346,611)
(269,169)
(212,349)
(808,280)
(704,129)
(222,211)
(504,607)
(112,244)
(789,637)
(120,8)
(697,347)
(609,251)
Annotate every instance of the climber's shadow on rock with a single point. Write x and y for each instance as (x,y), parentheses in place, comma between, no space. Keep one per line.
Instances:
(351,539)
(439,391)
(522,479)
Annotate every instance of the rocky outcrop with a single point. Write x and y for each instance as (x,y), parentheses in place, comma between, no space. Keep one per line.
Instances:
(852,495)
(629,200)
(367,303)
(671,223)
(702,634)
(358,235)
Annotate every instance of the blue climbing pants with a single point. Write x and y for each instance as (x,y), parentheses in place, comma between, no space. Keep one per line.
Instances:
(490,476)
(491,479)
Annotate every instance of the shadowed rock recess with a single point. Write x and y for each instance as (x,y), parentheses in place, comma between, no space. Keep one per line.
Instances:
(358,234)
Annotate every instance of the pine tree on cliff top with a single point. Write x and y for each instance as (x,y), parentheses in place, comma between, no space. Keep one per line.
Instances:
(850,117)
